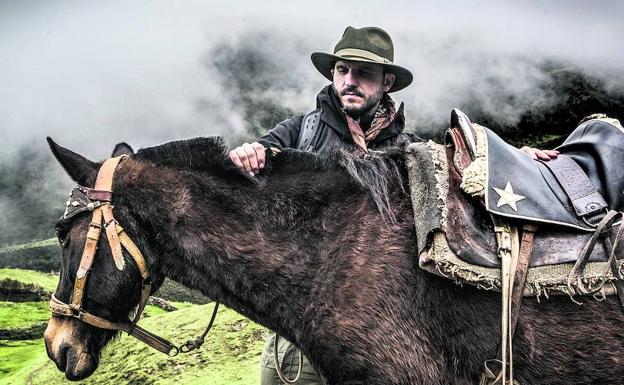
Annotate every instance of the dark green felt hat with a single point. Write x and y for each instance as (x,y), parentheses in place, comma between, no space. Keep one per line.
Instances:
(368,44)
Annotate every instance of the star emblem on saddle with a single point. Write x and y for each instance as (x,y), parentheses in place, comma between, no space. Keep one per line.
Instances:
(508,197)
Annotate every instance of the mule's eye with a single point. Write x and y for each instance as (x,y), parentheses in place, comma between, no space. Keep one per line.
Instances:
(63,241)
(61,233)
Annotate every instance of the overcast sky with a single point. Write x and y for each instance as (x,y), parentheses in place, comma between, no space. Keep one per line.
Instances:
(93,73)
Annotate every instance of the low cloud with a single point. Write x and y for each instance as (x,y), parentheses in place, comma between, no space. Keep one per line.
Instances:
(96,73)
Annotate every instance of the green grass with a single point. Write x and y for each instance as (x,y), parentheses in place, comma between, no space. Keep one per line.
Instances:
(17,359)
(45,280)
(22,314)
(151,311)
(230,355)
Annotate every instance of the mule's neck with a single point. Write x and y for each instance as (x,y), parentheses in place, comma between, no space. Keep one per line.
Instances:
(256,247)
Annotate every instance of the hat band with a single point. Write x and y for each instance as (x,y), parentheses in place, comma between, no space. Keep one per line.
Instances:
(354,53)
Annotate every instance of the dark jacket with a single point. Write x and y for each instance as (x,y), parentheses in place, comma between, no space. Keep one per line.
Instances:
(333,131)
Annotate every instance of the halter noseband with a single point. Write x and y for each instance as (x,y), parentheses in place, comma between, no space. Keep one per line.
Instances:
(98,200)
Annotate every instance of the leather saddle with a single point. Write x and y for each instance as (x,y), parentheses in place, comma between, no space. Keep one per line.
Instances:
(542,213)
(567,196)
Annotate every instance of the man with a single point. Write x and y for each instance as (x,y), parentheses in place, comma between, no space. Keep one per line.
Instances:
(354,112)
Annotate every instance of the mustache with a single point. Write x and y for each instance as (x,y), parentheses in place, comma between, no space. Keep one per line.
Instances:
(351,90)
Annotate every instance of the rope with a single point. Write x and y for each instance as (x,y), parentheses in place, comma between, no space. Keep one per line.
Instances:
(278,368)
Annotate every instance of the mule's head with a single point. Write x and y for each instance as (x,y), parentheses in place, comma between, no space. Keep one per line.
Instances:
(110,293)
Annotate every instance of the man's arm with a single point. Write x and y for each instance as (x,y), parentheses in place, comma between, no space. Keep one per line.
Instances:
(284,135)
(251,157)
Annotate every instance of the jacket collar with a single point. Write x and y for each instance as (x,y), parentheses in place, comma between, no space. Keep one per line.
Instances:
(332,115)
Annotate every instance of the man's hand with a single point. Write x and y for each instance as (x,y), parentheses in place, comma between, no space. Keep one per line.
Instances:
(249,158)
(536,154)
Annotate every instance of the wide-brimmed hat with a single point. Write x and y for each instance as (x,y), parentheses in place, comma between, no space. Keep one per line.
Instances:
(368,44)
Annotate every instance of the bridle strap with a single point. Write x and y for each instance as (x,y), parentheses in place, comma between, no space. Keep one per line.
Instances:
(133,250)
(104,179)
(162,345)
(103,183)
(111,234)
(93,235)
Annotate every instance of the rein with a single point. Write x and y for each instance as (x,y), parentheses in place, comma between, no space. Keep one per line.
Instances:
(99,201)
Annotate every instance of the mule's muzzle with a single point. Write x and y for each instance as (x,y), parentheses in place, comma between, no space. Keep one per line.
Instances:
(69,355)
(79,364)
(75,363)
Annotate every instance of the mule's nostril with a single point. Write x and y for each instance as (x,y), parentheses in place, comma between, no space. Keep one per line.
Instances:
(80,364)
(61,358)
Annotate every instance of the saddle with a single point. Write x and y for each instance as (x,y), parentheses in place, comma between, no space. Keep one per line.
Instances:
(567,197)
(525,227)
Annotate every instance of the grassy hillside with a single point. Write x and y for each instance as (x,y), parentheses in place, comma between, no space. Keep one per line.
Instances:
(46,281)
(22,314)
(230,355)
(29,245)
(17,359)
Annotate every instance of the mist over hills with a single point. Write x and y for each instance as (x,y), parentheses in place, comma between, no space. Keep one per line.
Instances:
(94,74)
(33,188)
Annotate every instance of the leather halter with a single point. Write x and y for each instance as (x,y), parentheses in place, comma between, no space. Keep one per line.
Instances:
(100,202)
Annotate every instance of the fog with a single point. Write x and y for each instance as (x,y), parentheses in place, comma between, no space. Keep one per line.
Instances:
(91,74)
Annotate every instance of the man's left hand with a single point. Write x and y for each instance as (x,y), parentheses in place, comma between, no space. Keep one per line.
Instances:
(536,153)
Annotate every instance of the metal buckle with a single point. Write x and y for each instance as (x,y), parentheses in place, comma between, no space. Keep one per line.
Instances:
(175,351)
(594,225)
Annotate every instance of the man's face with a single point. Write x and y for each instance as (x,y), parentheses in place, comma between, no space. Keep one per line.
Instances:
(360,85)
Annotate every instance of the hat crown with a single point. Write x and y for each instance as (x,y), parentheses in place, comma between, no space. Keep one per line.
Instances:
(368,45)
(371,39)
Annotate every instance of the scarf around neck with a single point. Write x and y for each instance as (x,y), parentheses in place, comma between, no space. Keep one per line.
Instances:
(384,115)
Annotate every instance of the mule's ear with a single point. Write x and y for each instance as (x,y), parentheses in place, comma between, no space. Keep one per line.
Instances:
(80,169)
(122,148)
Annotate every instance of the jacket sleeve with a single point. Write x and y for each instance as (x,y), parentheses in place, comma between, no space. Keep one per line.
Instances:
(284,135)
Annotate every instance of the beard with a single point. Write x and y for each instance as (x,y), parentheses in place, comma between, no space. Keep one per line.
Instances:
(356,111)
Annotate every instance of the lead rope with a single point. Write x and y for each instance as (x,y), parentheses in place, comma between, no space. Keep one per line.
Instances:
(601,232)
(618,283)
(199,341)
(278,368)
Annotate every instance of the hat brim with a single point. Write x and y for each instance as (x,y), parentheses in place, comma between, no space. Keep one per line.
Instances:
(324,63)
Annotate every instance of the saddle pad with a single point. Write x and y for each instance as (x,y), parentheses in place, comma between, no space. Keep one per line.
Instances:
(455,238)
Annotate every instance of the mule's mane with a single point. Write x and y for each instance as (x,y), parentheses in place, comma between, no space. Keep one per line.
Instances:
(196,154)
(376,173)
